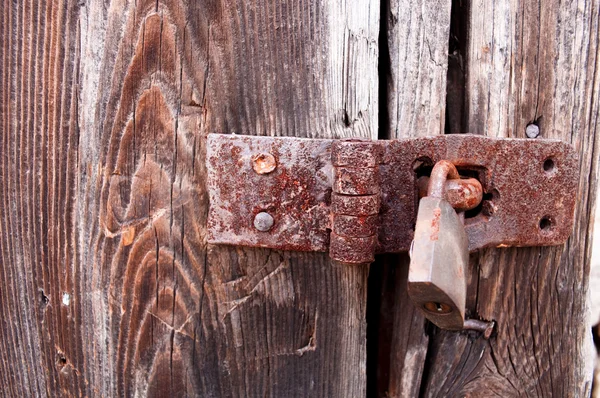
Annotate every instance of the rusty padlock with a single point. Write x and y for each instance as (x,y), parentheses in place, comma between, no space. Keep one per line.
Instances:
(439,255)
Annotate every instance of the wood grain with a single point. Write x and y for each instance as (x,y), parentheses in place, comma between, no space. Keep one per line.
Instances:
(38,184)
(108,287)
(417,38)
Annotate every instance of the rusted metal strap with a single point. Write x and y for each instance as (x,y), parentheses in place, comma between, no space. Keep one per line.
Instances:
(355,198)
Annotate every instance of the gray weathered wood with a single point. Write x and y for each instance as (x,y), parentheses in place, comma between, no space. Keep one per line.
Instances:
(533,61)
(417,33)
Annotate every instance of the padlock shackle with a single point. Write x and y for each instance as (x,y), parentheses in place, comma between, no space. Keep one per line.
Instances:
(442,171)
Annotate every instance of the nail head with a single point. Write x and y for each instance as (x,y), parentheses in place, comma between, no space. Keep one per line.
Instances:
(532,130)
(263,163)
(263,221)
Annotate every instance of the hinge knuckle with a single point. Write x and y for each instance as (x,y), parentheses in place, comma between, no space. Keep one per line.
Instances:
(355,205)
(356,153)
(355,200)
(355,181)
(352,249)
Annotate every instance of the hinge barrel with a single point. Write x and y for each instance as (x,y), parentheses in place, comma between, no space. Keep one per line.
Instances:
(356,197)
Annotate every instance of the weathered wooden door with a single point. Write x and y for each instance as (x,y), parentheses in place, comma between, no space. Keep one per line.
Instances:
(108,286)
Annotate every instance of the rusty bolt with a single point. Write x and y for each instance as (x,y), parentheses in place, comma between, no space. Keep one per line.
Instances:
(532,130)
(263,221)
(263,163)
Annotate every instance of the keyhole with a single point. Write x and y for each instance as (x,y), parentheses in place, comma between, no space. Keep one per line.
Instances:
(437,308)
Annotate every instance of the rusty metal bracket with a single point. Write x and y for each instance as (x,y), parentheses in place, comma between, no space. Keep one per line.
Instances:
(355,198)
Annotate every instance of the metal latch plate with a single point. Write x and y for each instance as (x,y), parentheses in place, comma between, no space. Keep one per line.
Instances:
(529,185)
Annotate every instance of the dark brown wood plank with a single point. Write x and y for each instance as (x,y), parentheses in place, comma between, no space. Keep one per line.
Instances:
(529,62)
(402,333)
(108,287)
(41,339)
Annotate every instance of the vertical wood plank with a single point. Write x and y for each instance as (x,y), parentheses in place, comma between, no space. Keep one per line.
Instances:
(417,39)
(530,62)
(526,63)
(39,327)
(108,286)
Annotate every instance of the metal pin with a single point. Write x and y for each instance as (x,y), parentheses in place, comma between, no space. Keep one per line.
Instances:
(484,327)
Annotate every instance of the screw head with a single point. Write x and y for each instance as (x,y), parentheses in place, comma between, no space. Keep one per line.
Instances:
(263,163)
(263,221)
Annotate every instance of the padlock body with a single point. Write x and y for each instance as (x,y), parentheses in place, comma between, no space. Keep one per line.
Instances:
(439,259)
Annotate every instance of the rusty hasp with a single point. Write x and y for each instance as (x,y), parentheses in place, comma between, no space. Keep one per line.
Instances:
(355,198)
(286,178)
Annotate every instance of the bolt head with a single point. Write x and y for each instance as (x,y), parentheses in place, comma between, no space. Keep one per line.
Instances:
(263,221)
(263,163)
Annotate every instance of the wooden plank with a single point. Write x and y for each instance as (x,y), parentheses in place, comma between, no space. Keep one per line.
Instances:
(416,35)
(402,334)
(417,39)
(108,287)
(529,62)
(38,184)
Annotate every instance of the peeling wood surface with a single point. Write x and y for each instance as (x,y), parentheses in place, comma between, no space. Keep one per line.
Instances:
(108,287)
(525,62)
